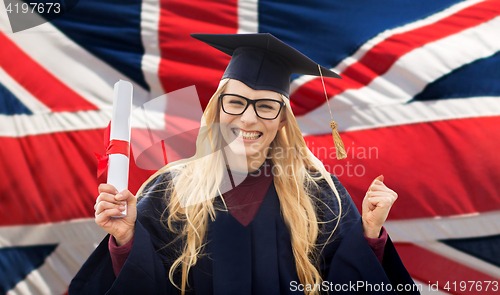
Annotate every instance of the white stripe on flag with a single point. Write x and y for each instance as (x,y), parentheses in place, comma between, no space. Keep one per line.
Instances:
(24,96)
(441,228)
(248,16)
(45,123)
(150,18)
(74,232)
(318,122)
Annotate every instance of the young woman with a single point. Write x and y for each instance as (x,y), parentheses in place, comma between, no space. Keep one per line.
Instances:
(254,211)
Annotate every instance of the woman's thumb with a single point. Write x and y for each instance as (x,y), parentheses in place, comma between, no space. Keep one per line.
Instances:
(128,197)
(380,177)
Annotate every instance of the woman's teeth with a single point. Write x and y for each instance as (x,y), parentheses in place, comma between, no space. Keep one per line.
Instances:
(246,135)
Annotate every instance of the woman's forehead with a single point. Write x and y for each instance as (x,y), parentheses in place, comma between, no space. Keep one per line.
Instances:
(240,88)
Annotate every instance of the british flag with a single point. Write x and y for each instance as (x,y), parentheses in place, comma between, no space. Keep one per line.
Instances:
(419,102)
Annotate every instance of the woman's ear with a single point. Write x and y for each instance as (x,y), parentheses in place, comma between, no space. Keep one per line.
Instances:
(282,122)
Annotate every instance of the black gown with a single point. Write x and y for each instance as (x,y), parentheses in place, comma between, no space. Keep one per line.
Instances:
(252,259)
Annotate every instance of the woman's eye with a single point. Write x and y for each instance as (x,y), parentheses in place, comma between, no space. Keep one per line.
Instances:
(236,102)
(266,107)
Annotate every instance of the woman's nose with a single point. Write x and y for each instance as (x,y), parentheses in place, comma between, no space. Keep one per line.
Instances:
(249,116)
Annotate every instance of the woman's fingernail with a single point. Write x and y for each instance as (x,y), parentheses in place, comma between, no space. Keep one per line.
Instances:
(122,208)
(119,196)
(123,203)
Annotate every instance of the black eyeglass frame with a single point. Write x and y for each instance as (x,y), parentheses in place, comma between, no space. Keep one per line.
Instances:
(251,102)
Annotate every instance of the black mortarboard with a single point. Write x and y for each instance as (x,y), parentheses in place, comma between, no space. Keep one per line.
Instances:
(262,61)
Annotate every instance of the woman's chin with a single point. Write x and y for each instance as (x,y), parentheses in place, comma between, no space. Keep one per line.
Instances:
(240,150)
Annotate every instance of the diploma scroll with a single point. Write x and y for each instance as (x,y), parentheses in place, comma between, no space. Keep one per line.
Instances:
(118,168)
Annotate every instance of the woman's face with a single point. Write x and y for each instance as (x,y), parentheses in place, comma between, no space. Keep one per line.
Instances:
(247,134)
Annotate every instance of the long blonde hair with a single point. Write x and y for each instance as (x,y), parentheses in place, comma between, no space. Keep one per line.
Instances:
(198,179)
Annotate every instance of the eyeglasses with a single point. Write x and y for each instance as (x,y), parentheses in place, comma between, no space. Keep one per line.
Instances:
(266,108)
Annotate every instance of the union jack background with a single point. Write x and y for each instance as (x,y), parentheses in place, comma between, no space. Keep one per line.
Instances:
(419,102)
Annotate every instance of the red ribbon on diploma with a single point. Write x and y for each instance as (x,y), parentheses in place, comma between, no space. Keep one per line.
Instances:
(112,147)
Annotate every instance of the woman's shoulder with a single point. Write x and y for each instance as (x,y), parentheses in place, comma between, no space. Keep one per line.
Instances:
(153,197)
(324,188)
(327,200)
(152,206)
(154,185)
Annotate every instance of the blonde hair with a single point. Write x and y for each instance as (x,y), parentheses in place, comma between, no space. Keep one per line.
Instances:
(197,181)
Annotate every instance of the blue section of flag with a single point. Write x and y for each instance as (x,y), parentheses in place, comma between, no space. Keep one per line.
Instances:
(11,105)
(337,34)
(485,248)
(17,262)
(479,78)
(67,4)
(109,31)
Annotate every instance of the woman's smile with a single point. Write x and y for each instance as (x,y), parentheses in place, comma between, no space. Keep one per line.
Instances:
(246,136)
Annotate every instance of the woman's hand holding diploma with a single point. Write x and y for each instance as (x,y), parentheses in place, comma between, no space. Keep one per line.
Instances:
(112,203)
(112,207)
(376,205)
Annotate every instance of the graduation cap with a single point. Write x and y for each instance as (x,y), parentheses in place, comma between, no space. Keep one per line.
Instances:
(263,62)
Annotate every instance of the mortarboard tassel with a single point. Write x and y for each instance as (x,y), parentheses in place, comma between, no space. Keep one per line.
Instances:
(339,145)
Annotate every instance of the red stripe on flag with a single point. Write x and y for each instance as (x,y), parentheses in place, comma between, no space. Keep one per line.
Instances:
(38,81)
(382,56)
(431,268)
(51,177)
(439,168)
(185,60)
(424,163)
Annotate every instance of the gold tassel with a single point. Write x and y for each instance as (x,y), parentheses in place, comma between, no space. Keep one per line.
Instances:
(339,145)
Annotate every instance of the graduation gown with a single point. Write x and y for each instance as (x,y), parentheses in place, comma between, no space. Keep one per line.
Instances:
(252,259)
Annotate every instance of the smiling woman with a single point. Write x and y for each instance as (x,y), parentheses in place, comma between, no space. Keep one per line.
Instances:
(239,217)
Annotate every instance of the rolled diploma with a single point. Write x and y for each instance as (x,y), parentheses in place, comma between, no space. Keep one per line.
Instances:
(120,130)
